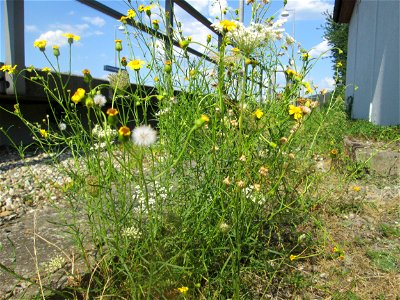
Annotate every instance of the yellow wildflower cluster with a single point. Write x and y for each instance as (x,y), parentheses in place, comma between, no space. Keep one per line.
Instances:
(130,15)
(292,74)
(296,112)
(41,44)
(183,290)
(228,25)
(146,9)
(8,69)
(43,133)
(307,86)
(78,95)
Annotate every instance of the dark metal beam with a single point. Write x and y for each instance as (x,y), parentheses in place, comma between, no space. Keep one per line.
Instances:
(117,15)
(195,14)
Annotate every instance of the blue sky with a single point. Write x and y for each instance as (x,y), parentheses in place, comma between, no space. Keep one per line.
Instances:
(48,19)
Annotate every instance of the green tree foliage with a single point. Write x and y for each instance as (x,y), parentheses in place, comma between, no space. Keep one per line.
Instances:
(337,35)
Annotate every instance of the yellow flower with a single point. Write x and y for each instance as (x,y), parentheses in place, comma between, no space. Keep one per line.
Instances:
(305,56)
(334,152)
(235,50)
(41,44)
(124,131)
(43,133)
(71,37)
(146,9)
(291,73)
(136,64)
(9,69)
(356,188)
(112,112)
(308,88)
(123,19)
(78,95)
(258,113)
(292,257)
(205,118)
(183,290)
(46,69)
(296,112)
(131,14)
(227,25)
(339,64)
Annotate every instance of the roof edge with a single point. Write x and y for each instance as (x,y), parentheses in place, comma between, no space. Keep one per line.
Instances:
(343,10)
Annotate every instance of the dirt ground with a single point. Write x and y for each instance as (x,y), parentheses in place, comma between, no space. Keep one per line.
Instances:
(359,242)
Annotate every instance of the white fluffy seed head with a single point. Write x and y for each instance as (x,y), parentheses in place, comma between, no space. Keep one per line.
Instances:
(100,100)
(144,136)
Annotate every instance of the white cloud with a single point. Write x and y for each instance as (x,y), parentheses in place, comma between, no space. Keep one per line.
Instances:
(200,5)
(211,7)
(327,83)
(55,35)
(96,21)
(322,48)
(31,28)
(215,7)
(308,9)
(54,38)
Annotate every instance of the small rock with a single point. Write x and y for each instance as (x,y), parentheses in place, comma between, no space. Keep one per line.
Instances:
(5,213)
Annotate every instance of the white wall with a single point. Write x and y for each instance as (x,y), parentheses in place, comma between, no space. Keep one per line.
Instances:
(373,61)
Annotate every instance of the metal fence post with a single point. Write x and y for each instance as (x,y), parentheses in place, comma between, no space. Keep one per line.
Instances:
(169,12)
(14,42)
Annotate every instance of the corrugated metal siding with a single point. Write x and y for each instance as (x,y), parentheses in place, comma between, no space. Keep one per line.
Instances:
(373,61)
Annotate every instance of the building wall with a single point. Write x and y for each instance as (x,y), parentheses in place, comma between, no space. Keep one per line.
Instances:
(373,62)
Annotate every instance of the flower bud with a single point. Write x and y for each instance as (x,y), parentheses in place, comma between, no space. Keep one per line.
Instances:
(124,134)
(112,116)
(184,44)
(168,67)
(86,76)
(56,51)
(156,26)
(124,62)
(201,121)
(89,102)
(118,45)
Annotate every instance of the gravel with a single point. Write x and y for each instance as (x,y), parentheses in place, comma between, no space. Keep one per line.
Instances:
(29,183)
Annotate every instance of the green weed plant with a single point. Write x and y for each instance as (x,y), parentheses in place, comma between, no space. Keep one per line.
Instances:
(198,187)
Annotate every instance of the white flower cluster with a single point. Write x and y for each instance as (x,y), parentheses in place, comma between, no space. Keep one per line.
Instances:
(247,39)
(103,133)
(131,232)
(252,193)
(54,264)
(159,192)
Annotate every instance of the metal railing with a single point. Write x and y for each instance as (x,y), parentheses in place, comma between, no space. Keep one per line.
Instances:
(169,10)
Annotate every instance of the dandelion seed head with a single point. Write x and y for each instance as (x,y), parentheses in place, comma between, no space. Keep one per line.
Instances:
(144,136)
